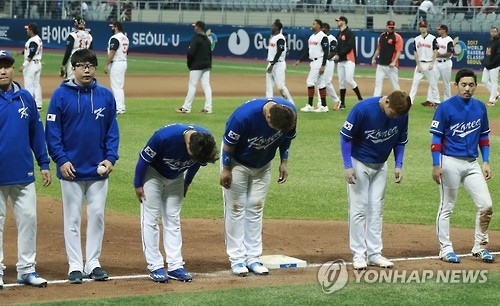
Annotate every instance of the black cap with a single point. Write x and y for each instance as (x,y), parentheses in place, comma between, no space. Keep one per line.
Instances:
(343,18)
(443,27)
(6,56)
(117,25)
(200,24)
(33,27)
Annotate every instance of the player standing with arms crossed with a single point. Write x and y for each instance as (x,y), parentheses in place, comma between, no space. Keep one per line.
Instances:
(318,56)
(346,58)
(276,64)
(425,53)
(82,135)
(116,64)
(443,60)
(491,64)
(389,48)
(160,186)
(374,127)
(460,125)
(21,131)
(253,133)
(78,39)
(32,65)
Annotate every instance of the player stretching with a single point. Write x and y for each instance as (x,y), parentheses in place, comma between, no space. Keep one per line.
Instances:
(460,125)
(276,65)
(374,127)
(253,134)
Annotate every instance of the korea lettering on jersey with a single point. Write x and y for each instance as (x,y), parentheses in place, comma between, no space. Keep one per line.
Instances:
(273,48)
(82,40)
(27,50)
(121,49)
(425,47)
(445,45)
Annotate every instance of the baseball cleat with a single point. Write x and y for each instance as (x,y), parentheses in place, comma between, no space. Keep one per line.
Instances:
(32,279)
(359,263)
(206,111)
(381,261)
(98,274)
(159,276)
(182,110)
(490,103)
(180,275)
(336,106)
(75,277)
(451,257)
(307,109)
(239,269)
(258,269)
(484,255)
(321,109)
(427,103)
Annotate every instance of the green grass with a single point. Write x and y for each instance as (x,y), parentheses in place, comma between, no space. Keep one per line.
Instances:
(315,190)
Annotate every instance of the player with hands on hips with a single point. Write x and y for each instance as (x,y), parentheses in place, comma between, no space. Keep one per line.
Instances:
(373,129)
(32,65)
(276,64)
(460,126)
(253,133)
(82,135)
(160,186)
(21,131)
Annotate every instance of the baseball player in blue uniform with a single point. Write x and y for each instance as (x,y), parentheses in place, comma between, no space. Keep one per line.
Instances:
(21,131)
(82,135)
(160,186)
(373,129)
(253,134)
(460,125)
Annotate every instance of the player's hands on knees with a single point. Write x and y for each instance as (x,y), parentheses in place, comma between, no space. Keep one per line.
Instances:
(226,178)
(398,175)
(350,176)
(139,192)
(47,178)
(68,171)
(436,174)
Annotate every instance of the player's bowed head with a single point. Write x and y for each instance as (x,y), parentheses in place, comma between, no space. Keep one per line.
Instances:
(399,102)
(281,117)
(203,148)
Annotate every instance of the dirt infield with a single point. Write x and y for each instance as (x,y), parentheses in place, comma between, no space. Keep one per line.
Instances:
(204,252)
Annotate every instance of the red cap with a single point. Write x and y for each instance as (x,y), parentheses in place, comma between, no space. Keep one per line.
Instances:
(422,24)
(391,24)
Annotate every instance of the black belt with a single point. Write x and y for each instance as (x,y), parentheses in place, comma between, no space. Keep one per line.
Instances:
(118,61)
(36,61)
(425,61)
(441,61)
(275,62)
(314,59)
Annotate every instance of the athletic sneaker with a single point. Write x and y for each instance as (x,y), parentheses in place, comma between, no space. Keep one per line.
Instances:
(321,109)
(258,268)
(120,112)
(183,110)
(239,269)
(490,103)
(427,103)
(159,275)
(180,275)
(380,261)
(32,279)
(98,274)
(359,263)
(336,106)
(451,257)
(75,277)
(308,108)
(484,255)
(342,106)
(206,111)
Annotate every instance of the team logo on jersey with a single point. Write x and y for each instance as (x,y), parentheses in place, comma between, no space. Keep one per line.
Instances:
(379,136)
(178,165)
(261,143)
(435,124)
(149,152)
(465,128)
(347,125)
(23,111)
(233,135)
(98,112)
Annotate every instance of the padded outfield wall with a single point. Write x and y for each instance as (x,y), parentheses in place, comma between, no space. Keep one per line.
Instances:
(233,41)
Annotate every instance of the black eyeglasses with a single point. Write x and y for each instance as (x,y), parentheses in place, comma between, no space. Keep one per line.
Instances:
(85,66)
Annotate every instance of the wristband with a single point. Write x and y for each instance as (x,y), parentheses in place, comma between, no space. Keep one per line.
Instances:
(226,158)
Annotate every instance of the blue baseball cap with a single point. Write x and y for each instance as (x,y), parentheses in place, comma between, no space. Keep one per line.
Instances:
(6,56)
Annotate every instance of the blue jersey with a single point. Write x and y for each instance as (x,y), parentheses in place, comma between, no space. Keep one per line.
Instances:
(21,131)
(460,124)
(81,128)
(372,133)
(254,140)
(166,150)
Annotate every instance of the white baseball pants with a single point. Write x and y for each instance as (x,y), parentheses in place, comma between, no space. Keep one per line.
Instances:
(163,199)
(243,210)
(23,198)
(469,173)
(330,89)
(366,204)
(31,74)
(277,76)
(345,71)
(490,80)
(314,78)
(196,76)
(70,74)
(382,72)
(432,94)
(443,69)
(117,71)
(73,194)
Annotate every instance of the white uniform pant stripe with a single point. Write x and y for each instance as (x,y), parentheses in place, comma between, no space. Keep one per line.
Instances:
(382,72)
(117,82)
(23,199)
(490,80)
(196,76)
(73,194)
(432,94)
(469,173)
(366,203)
(243,210)
(163,199)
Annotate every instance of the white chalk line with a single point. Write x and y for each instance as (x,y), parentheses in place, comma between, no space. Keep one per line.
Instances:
(227,272)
